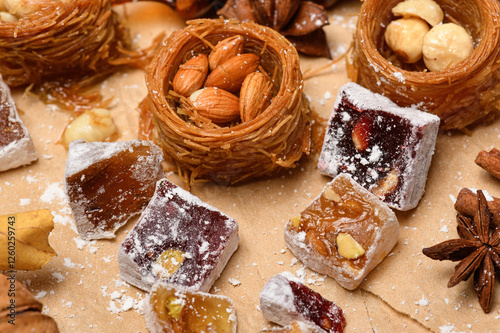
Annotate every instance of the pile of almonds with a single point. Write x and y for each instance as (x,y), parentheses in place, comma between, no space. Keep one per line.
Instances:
(213,83)
(441,46)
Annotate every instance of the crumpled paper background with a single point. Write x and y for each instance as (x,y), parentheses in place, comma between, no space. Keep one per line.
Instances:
(407,292)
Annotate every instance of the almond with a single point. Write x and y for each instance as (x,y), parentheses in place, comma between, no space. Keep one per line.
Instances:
(361,132)
(255,95)
(216,104)
(191,75)
(224,50)
(230,75)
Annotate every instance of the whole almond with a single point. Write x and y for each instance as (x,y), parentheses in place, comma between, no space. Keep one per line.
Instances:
(224,50)
(191,75)
(255,95)
(216,104)
(230,75)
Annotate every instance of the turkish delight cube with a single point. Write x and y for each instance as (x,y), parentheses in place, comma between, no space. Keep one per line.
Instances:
(170,309)
(386,148)
(344,232)
(178,239)
(16,145)
(284,300)
(107,183)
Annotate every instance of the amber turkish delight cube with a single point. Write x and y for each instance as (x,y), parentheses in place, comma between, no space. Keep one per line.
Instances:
(344,233)
(170,309)
(16,146)
(178,239)
(285,300)
(386,148)
(107,183)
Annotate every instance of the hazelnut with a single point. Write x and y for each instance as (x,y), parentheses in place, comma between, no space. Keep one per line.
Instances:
(446,45)
(406,37)
(348,247)
(92,125)
(427,10)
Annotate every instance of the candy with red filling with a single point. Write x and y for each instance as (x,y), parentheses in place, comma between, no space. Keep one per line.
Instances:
(284,299)
(386,148)
(178,239)
(16,146)
(107,183)
(344,233)
(170,309)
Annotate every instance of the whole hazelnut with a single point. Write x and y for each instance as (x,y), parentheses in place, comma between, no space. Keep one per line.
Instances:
(446,45)
(406,37)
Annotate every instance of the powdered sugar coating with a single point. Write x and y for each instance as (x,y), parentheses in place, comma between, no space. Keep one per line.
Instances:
(284,300)
(176,219)
(399,139)
(107,183)
(16,145)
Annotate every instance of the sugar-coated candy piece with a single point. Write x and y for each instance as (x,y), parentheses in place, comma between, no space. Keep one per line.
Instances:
(178,239)
(170,309)
(386,148)
(16,145)
(284,299)
(107,183)
(344,232)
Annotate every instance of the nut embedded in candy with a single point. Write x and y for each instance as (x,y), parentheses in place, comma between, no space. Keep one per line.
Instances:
(179,240)
(346,237)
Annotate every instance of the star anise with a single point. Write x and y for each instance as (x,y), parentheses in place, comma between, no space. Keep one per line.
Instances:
(477,249)
(300,21)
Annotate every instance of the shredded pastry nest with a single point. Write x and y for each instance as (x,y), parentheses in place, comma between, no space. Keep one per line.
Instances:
(461,95)
(65,47)
(202,150)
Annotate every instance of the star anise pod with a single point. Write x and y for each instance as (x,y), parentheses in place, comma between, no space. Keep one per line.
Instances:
(300,21)
(477,249)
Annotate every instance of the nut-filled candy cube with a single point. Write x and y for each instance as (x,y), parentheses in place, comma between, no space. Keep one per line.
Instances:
(345,232)
(107,183)
(169,309)
(179,240)
(284,300)
(16,145)
(386,148)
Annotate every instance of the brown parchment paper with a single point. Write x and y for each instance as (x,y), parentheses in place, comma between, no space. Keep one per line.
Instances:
(407,292)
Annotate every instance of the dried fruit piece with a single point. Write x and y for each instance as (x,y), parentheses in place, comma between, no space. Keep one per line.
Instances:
(178,310)
(191,75)
(224,50)
(255,95)
(107,183)
(401,143)
(24,238)
(25,315)
(372,226)
(177,220)
(16,146)
(229,75)
(216,104)
(285,299)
